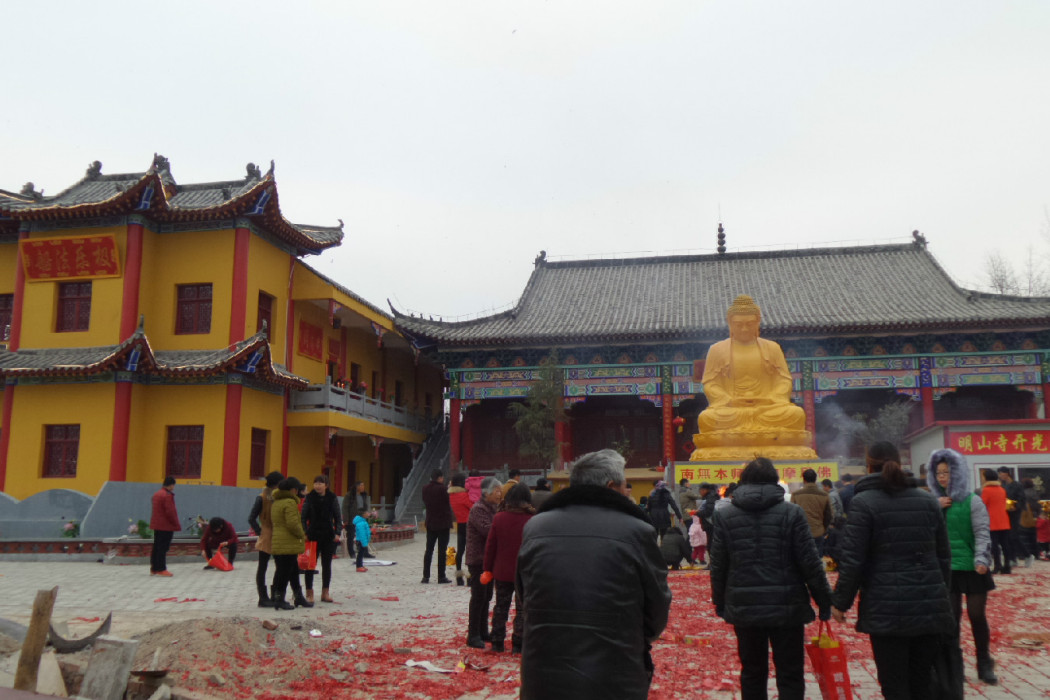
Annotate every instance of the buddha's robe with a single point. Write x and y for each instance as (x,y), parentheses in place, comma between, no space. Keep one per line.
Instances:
(748,387)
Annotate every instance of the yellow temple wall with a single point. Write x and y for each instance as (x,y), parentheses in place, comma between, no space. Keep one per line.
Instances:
(88,404)
(268,272)
(259,409)
(40,302)
(8,260)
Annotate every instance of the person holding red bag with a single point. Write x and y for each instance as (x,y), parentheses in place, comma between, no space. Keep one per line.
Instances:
(322,522)
(218,536)
(501,563)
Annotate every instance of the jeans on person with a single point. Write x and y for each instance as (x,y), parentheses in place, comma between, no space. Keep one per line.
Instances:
(230,554)
(905,664)
(440,538)
(501,611)
(480,595)
(361,554)
(158,555)
(286,573)
(1002,550)
(325,549)
(260,570)
(753,644)
(461,544)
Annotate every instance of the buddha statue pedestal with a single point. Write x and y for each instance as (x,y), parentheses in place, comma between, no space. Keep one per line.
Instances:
(745,445)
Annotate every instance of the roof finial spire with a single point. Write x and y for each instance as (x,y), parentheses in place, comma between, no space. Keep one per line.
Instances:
(721,239)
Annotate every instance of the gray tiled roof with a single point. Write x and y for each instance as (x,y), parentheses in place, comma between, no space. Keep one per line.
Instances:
(820,291)
(80,361)
(173,202)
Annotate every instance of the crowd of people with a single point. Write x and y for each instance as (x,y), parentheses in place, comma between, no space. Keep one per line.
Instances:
(586,566)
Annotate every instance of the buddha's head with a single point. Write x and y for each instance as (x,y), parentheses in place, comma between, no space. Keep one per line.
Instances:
(744,318)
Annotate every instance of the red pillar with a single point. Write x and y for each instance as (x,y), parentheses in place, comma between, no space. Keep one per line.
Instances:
(19,297)
(809,405)
(239,293)
(129,305)
(231,435)
(453,442)
(1046,401)
(5,431)
(927,405)
(668,427)
(468,439)
(118,448)
(563,436)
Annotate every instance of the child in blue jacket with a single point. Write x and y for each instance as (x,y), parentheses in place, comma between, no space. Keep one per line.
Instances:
(363,535)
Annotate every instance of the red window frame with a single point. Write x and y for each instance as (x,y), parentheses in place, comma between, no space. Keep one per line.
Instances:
(61,445)
(7,306)
(74,307)
(257,459)
(193,309)
(185,451)
(265,313)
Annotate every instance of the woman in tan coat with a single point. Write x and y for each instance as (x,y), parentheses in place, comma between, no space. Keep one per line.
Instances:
(260,522)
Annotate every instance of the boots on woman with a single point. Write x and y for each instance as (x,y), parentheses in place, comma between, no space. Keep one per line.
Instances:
(326,597)
(986,670)
(461,580)
(310,594)
(264,600)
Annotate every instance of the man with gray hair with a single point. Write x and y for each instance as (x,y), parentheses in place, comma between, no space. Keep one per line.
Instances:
(479,522)
(595,587)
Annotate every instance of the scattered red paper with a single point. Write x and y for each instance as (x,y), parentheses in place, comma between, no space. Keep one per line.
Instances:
(389,598)
(85,619)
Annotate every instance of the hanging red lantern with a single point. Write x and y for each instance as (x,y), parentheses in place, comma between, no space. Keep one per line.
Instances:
(678,423)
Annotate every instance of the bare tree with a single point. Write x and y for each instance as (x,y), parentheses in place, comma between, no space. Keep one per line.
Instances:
(1000,276)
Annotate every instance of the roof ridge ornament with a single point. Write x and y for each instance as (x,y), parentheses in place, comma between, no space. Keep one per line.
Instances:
(160,164)
(540,259)
(252,172)
(918,239)
(269,173)
(29,190)
(721,239)
(94,171)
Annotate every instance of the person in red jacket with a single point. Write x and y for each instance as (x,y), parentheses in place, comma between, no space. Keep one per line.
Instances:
(501,562)
(994,497)
(164,521)
(459,499)
(218,536)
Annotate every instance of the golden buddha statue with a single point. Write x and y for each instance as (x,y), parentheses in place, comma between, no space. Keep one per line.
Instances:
(748,388)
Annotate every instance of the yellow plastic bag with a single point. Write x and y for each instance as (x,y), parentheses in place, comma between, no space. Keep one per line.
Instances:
(450,557)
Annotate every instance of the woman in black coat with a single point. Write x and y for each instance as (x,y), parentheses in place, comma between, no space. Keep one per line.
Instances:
(764,569)
(322,521)
(659,501)
(895,551)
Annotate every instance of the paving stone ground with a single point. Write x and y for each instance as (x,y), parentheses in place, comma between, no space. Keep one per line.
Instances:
(93,590)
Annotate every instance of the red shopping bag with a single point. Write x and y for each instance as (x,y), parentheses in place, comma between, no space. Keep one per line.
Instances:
(220,562)
(828,656)
(308,559)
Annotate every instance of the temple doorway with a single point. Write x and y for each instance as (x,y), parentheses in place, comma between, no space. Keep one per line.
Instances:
(626,423)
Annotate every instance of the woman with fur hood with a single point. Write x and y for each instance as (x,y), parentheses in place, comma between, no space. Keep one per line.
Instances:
(948,476)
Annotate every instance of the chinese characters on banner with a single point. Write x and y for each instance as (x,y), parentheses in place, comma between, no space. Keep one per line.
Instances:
(85,257)
(728,473)
(311,340)
(999,442)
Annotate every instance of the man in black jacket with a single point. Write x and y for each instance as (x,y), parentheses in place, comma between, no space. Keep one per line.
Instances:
(438,522)
(764,569)
(595,588)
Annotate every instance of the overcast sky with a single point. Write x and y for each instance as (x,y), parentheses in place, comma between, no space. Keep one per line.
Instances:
(458,139)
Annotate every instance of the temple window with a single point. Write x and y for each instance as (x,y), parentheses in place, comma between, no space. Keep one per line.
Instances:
(185,450)
(194,309)
(265,313)
(74,306)
(7,303)
(61,443)
(257,467)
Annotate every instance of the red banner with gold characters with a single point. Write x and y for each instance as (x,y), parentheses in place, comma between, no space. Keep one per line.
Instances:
(311,340)
(1001,442)
(727,472)
(82,257)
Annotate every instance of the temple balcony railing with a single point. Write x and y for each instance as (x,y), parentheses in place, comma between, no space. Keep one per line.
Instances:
(330,397)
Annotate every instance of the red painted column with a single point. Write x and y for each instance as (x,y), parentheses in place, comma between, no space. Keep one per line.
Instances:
(667,413)
(118,447)
(453,442)
(231,435)
(1046,400)
(564,440)
(5,432)
(239,292)
(129,305)
(567,451)
(809,405)
(927,405)
(19,297)
(468,439)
